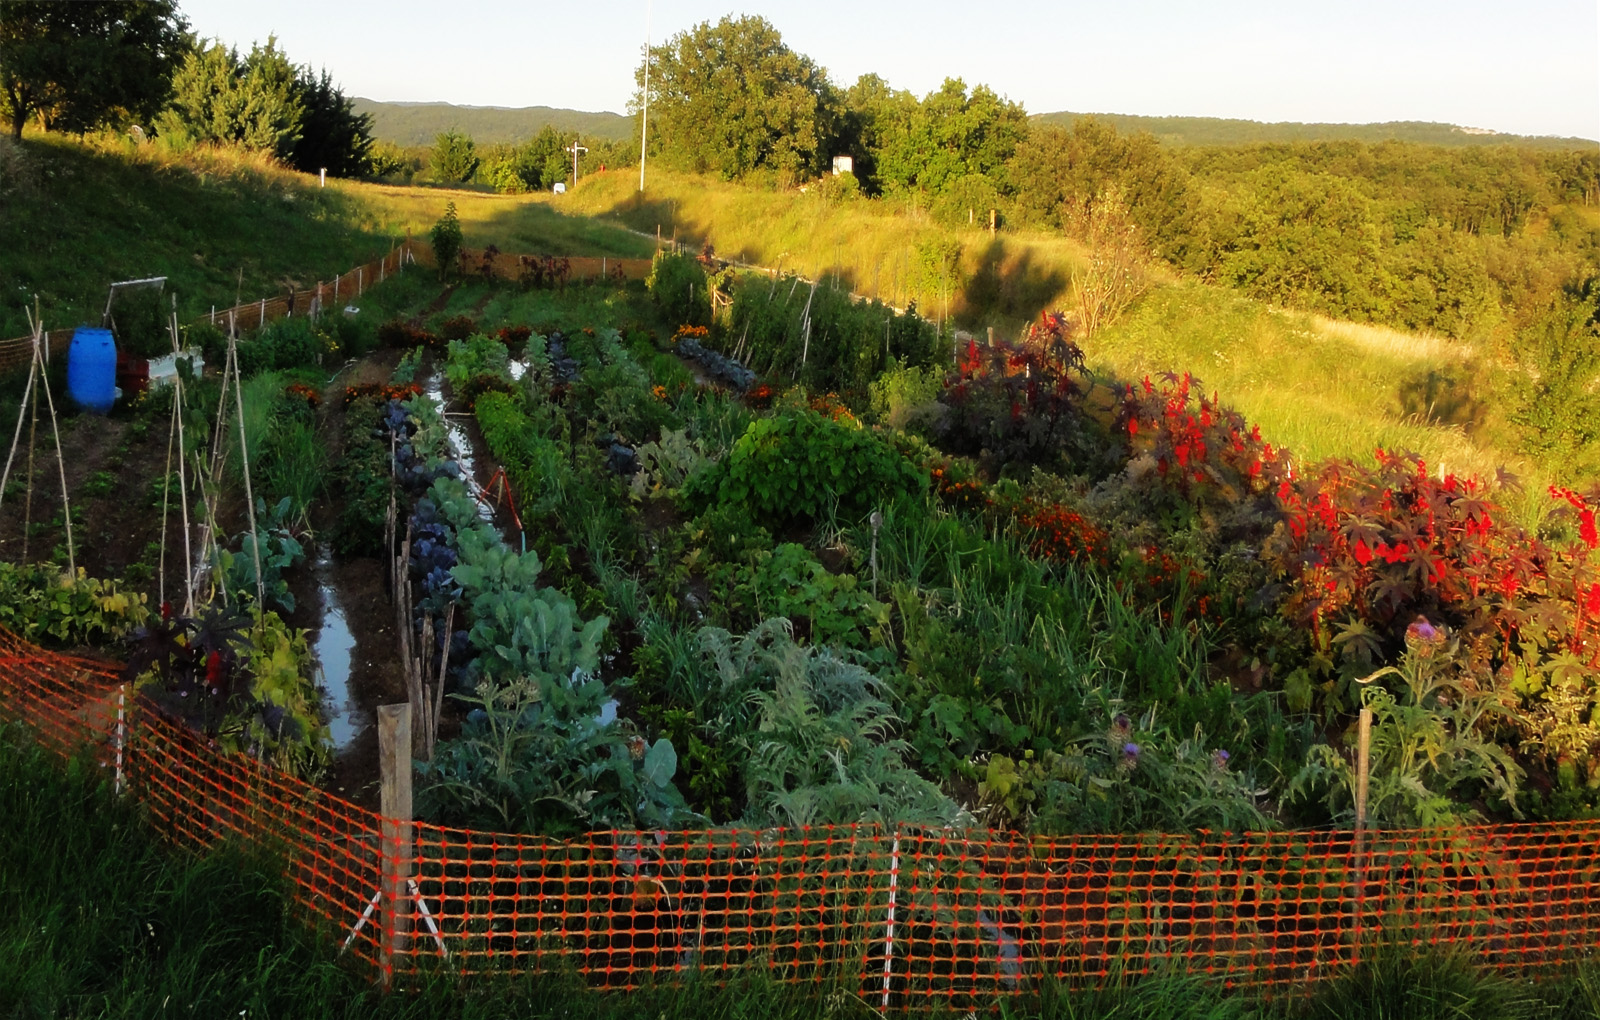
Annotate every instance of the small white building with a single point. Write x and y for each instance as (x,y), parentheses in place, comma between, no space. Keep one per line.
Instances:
(844,165)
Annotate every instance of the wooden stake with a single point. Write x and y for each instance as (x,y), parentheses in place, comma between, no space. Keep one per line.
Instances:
(394,772)
(1363,764)
(249,495)
(183,475)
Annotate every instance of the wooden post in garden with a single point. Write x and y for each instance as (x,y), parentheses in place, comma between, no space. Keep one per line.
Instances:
(1363,765)
(394,774)
(1363,761)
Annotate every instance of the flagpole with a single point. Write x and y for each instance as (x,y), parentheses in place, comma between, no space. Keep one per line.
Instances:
(644,121)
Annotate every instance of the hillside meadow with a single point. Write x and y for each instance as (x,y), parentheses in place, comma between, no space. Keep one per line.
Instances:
(218,223)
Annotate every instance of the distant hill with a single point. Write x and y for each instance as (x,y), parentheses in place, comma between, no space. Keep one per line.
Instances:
(1224,131)
(407,124)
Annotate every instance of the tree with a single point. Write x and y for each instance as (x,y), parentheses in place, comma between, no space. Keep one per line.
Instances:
(953,135)
(731,99)
(80,65)
(332,134)
(252,102)
(873,118)
(454,159)
(446,238)
(1061,175)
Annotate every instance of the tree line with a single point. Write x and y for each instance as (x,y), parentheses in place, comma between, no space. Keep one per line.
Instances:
(1468,242)
(537,164)
(81,66)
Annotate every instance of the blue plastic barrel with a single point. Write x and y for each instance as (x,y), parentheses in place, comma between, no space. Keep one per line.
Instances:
(92,369)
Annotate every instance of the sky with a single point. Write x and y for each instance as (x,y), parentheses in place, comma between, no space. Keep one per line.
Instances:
(1520,66)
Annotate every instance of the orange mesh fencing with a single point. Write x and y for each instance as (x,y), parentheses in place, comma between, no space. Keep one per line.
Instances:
(538,268)
(909,918)
(345,288)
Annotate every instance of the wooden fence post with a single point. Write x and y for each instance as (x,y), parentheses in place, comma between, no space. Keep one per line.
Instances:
(394,762)
(1363,765)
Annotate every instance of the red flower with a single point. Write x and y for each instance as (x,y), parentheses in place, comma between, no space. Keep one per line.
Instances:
(1586,528)
(1363,554)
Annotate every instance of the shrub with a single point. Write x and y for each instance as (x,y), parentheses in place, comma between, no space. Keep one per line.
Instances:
(446,239)
(802,465)
(679,285)
(49,606)
(1023,403)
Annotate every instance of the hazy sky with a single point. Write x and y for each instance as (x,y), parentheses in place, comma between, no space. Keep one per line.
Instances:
(1529,67)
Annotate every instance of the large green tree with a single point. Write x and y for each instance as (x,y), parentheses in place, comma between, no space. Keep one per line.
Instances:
(333,136)
(953,136)
(873,118)
(83,64)
(1062,176)
(252,101)
(454,158)
(732,99)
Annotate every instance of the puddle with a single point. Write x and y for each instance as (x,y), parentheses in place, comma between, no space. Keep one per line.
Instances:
(460,445)
(332,648)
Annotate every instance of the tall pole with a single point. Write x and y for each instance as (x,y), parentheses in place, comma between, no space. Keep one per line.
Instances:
(644,121)
(575,148)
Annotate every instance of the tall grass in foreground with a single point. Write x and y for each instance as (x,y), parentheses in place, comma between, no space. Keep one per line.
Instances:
(104,920)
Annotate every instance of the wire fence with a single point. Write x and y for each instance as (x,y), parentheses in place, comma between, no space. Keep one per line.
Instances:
(350,286)
(911,918)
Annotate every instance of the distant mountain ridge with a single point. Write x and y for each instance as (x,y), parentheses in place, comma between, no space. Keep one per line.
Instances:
(407,124)
(1228,131)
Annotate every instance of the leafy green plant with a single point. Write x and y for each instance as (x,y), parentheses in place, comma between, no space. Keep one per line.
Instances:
(1428,751)
(804,465)
(679,285)
(822,749)
(279,549)
(244,681)
(1129,776)
(446,237)
(542,750)
(833,608)
(40,603)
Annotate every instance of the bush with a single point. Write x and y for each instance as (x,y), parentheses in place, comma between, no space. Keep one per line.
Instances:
(48,606)
(802,465)
(680,288)
(446,238)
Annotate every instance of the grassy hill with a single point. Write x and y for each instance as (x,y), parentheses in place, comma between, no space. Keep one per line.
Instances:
(1228,131)
(216,224)
(408,124)
(83,218)
(1315,385)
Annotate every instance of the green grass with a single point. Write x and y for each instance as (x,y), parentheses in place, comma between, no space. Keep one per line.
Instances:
(1317,386)
(76,217)
(518,224)
(103,919)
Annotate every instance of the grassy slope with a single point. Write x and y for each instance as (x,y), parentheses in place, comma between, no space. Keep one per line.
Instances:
(74,219)
(871,246)
(1320,387)
(513,223)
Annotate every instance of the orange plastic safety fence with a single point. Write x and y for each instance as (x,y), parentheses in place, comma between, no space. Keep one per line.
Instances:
(67,700)
(911,918)
(330,295)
